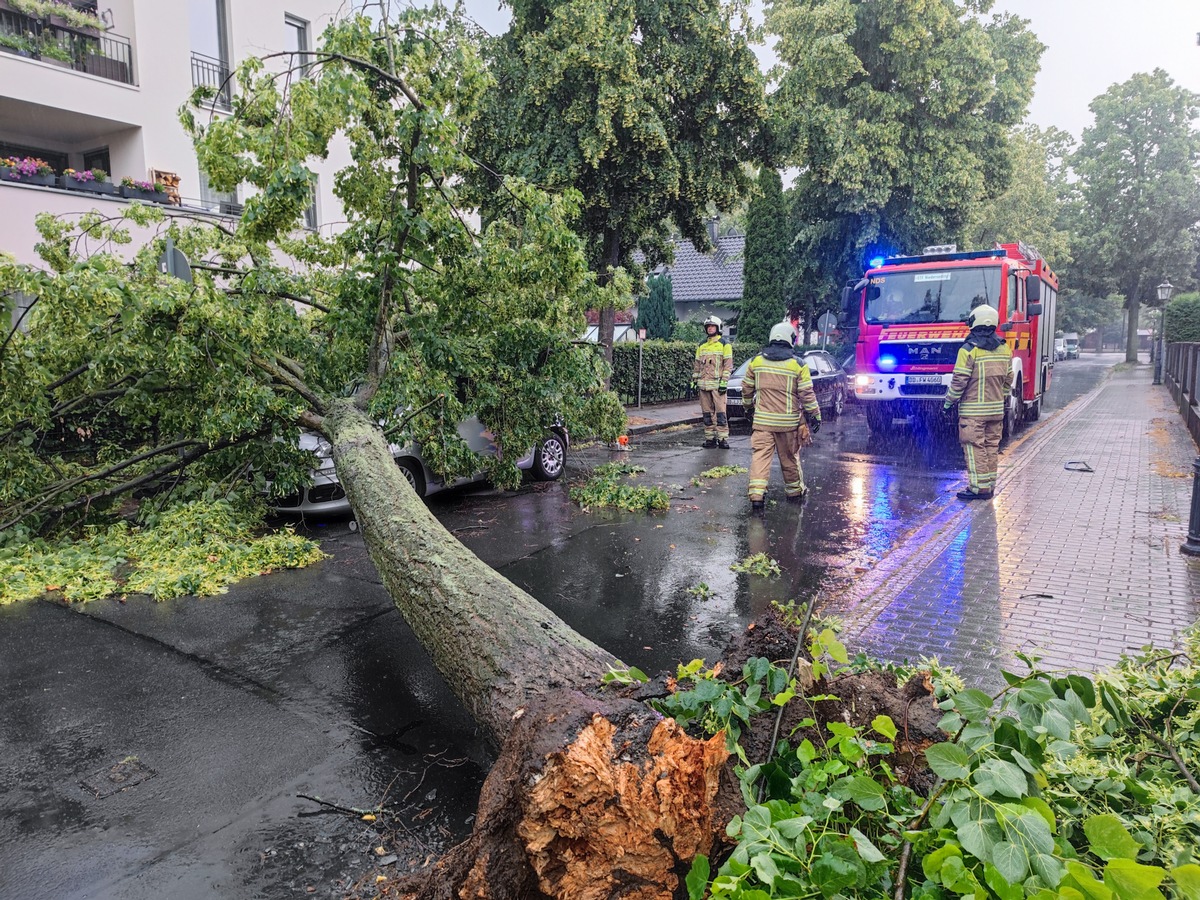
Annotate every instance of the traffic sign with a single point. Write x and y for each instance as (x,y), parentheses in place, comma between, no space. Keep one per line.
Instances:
(827,323)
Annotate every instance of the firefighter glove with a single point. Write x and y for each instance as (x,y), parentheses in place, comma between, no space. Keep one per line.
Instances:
(948,410)
(814,424)
(722,388)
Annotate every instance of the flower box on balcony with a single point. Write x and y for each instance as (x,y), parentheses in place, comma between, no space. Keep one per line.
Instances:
(149,196)
(89,185)
(16,176)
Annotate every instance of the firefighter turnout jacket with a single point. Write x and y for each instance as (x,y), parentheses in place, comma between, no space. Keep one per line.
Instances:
(714,364)
(982,380)
(779,386)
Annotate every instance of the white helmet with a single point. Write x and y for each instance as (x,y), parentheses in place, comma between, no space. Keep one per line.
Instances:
(713,320)
(783,332)
(983,315)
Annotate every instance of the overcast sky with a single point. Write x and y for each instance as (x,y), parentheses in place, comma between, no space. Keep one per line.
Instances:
(1090,45)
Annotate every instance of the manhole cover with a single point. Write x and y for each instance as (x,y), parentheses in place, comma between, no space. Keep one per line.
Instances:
(116,778)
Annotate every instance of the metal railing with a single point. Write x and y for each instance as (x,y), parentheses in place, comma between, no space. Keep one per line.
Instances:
(213,73)
(1181,372)
(105,55)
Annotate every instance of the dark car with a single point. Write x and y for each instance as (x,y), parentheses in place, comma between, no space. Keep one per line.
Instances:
(829,383)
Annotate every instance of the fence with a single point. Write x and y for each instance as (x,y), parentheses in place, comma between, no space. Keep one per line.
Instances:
(105,54)
(1182,375)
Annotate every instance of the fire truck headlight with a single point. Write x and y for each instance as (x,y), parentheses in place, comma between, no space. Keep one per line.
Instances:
(887,363)
(862,380)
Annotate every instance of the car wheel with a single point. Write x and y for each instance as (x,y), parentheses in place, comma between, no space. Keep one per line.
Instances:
(839,402)
(411,470)
(549,458)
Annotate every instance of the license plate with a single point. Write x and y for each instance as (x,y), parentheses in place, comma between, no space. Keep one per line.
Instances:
(923,379)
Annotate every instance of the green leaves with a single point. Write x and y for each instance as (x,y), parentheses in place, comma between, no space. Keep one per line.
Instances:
(1108,838)
(948,761)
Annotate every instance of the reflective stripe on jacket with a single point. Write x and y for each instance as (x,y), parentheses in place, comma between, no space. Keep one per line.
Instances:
(779,389)
(982,381)
(714,364)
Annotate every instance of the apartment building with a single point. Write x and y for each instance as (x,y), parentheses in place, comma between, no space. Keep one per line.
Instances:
(82,97)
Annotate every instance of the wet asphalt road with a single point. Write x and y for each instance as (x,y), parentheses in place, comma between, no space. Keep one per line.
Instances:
(310,682)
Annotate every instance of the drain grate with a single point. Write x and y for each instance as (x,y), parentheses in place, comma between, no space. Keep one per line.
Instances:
(118,777)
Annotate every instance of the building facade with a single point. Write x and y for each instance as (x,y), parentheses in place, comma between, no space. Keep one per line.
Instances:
(82,97)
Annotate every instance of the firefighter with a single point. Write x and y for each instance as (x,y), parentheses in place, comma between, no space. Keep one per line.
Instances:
(981,384)
(778,386)
(710,376)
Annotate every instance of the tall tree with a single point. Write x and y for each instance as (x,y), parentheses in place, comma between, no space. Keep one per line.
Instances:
(1081,313)
(647,107)
(657,312)
(897,113)
(1031,207)
(768,239)
(1140,190)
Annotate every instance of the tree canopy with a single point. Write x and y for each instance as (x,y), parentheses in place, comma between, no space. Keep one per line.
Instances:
(768,238)
(657,312)
(399,324)
(648,108)
(1140,190)
(897,113)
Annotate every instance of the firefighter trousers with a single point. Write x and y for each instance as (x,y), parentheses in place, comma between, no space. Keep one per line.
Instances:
(980,439)
(764,445)
(712,407)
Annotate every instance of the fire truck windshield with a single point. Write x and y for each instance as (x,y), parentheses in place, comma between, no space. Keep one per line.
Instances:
(939,295)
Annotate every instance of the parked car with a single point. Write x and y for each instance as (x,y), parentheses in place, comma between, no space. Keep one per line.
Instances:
(1072,343)
(545,462)
(1060,349)
(829,383)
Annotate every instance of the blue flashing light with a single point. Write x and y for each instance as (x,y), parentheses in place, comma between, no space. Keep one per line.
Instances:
(887,363)
(875,263)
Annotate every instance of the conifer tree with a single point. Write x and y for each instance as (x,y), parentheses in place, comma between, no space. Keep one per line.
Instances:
(763,297)
(657,313)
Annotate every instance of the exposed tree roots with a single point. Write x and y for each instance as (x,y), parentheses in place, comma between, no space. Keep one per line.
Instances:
(598,796)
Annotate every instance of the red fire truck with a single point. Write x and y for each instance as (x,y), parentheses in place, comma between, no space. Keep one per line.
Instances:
(911,315)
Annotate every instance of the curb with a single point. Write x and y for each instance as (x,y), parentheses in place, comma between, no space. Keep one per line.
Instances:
(662,426)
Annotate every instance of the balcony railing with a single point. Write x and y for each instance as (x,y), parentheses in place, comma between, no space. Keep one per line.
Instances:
(213,73)
(106,55)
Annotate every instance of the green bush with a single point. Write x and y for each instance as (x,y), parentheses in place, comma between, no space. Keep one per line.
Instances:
(667,368)
(1183,318)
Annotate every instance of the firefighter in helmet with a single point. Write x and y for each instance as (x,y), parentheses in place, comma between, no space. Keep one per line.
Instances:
(710,376)
(981,384)
(778,386)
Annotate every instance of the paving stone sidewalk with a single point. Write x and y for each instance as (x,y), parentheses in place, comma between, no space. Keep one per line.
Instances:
(1079,566)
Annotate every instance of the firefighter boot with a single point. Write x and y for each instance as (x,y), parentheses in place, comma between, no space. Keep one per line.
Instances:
(709,444)
(758,506)
(723,444)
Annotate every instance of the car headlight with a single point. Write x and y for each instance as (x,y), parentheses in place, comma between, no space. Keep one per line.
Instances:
(862,380)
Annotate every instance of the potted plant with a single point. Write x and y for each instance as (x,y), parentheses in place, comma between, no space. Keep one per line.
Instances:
(151,191)
(56,54)
(20,44)
(27,170)
(94,181)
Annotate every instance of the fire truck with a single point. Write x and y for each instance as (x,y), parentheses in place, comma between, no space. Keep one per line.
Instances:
(911,314)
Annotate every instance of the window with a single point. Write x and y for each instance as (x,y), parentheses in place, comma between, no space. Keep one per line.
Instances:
(97,159)
(310,211)
(208,22)
(225,202)
(295,40)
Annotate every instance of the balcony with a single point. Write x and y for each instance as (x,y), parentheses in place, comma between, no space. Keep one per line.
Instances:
(104,55)
(213,73)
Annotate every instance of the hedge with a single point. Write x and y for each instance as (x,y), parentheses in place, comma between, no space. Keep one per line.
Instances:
(666,369)
(1183,319)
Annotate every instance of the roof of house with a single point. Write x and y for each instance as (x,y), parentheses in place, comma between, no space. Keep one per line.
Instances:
(697,276)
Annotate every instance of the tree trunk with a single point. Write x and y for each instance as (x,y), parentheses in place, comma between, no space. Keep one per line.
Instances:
(1131,332)
(495,645)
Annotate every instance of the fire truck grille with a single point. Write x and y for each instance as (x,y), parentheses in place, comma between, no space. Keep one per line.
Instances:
(921,352)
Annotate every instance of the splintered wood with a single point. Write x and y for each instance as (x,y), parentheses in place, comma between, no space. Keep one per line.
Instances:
(606,815)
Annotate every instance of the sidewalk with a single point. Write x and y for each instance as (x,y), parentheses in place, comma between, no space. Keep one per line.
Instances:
(662,415)
(1075,566)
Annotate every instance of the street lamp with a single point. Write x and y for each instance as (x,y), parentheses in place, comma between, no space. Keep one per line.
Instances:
(1164,295)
